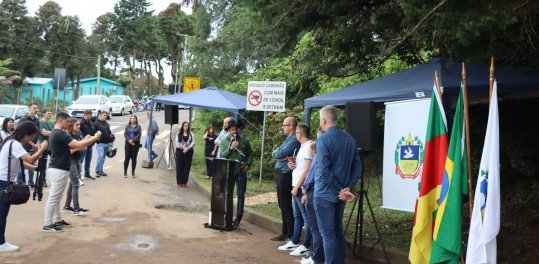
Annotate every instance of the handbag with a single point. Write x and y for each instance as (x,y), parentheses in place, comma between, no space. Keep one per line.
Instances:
(15,193)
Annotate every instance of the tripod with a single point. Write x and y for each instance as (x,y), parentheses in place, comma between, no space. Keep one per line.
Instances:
(171,154)
(362,193)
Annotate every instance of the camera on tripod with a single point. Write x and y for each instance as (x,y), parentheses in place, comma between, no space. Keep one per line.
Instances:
(42,164)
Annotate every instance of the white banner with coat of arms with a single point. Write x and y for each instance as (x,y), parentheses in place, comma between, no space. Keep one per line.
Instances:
(404,143)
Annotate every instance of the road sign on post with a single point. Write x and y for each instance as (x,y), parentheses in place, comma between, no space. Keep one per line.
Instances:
(266,96)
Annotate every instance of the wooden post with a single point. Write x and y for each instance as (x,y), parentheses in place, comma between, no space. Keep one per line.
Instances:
(437,82)
(468,145)
(491,78)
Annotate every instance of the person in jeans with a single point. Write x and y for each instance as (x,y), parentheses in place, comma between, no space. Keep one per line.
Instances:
(283,177)
(61,144)
(237,147)
(103,144)
(185,141)
(300,167)
(317,253)
(31,146)
(338,170)
(132,135)
(209,149)
(24,133)
(153,130)
(87,128)
(74,172)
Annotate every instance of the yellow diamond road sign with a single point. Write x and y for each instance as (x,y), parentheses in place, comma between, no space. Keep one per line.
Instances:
(191,84)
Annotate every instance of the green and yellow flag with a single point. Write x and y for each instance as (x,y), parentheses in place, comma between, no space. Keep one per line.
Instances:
(447,235)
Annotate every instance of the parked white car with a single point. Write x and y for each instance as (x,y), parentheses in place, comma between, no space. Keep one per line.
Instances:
(96,103)
(14,111)
(121,104)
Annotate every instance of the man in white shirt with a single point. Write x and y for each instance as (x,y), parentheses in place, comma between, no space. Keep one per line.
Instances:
(300,165)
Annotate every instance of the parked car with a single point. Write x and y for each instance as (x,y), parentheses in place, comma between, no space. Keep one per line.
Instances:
(96,103)
(121,104)
(14,111)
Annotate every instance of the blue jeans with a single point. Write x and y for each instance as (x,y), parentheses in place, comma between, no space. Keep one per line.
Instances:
(329,216)
(149,138)
(102,148)
(318,249)
(21,179)
(300,220)
(86,156)
(4,211)
(241,185)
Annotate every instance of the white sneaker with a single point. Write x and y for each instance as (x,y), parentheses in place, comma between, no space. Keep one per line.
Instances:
(288,246)
(307,261)
(7,247)
(81,183)
(300,251)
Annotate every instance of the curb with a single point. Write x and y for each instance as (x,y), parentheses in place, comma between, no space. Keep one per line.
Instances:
(250,215)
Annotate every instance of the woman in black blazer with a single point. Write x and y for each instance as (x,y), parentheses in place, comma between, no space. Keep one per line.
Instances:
(132,135)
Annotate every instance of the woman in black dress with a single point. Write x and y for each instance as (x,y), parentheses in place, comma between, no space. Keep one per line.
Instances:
(209,137)
(185,141)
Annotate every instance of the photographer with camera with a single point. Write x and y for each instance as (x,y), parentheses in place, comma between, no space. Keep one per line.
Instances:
(12,153)
(60,165)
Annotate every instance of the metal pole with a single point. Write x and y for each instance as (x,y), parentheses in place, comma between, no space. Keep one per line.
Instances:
(99,74)
(56,97)
(262,148)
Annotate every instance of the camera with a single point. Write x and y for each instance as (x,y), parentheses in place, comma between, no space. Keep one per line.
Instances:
(42,164)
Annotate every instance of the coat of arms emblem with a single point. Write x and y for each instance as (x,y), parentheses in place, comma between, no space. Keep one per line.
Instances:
(409,157)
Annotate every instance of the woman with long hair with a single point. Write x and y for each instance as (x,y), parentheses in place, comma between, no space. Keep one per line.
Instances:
(8,127)
(132,134)
(74,171)
(209,137)
(12,146)
(185,141)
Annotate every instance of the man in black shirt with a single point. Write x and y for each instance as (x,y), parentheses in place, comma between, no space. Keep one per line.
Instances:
(31,147)
(87,128)
(103,143)
(61,144)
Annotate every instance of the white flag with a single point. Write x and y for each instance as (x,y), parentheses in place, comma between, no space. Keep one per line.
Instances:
(485,220)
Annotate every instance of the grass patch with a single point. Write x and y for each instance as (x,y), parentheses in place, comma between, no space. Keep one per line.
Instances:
(270,209)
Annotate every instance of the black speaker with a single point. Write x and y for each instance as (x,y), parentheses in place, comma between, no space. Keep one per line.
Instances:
(171,114)
(361,124)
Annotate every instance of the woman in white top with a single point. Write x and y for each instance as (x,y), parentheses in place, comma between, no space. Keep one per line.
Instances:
(25,132)
(8,126)
(185,141)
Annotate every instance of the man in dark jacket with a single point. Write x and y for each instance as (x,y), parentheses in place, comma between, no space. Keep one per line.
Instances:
(87,128)
(236,147)
(103,143)
(31,147)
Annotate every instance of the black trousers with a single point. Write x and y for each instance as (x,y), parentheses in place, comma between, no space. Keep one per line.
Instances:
(131,153)
(183,165)
(284,198)
(207,154)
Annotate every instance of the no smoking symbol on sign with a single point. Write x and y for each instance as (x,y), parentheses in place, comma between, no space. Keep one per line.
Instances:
(255,98)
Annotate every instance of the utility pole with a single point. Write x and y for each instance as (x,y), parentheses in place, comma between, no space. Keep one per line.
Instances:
(184,58)
(98,74)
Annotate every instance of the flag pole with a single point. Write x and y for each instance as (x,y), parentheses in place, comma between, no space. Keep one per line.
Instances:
(468,145)
(491,78)
(437,82)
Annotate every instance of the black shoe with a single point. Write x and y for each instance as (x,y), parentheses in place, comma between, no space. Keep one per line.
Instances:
(103,174)
(89,177)
(52,229)
(62,223)
(133,175)
(68,209)
(281,237)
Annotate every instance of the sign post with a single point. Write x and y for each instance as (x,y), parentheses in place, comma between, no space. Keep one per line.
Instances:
(266,97)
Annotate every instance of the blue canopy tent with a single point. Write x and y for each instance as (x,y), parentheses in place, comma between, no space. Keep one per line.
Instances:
(207,98)
(417,82)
